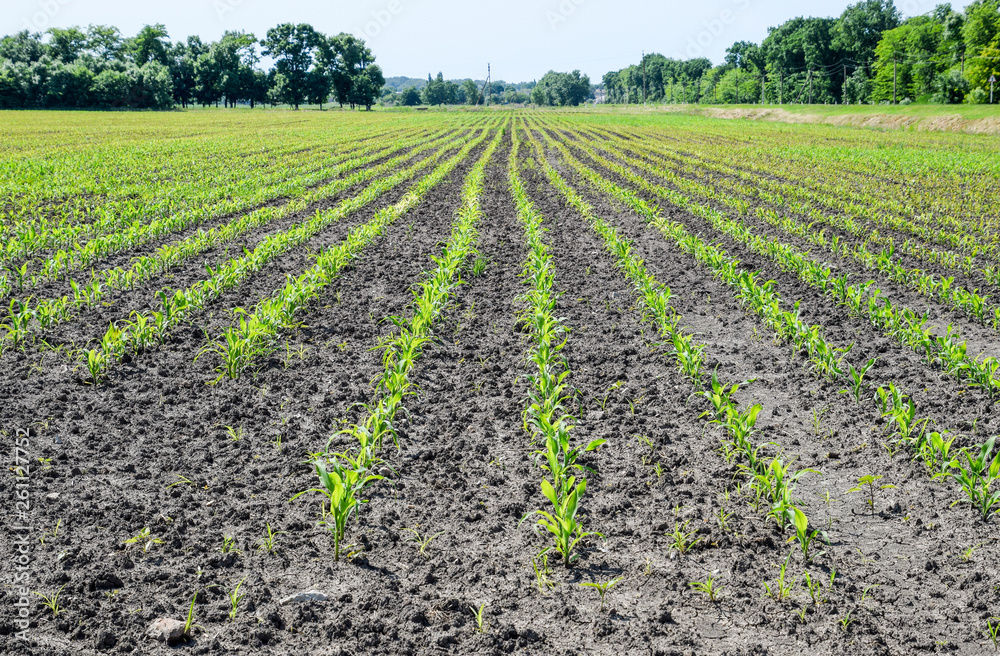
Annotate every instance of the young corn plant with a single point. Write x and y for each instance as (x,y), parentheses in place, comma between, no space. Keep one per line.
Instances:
(683,540)
(868,485)
(710,587)
(856,379)
(781,588)
(976,473)
(343,479)
(602,588)
(805,537)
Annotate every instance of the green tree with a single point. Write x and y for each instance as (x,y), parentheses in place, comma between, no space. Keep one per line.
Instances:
(409,97)
(22,48)
(439,91)
(472,95)
(981,25)
(104,42)
(183,59)
(563,89)
(70,86)
(148,45)
(908,56)
(67,44)
(859,29)
(292,47)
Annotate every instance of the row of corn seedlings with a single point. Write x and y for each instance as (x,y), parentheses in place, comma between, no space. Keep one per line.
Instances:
(953,234)
(83,255)
(62,226)
(51,312)
(943,290)
(255,334)
(934,219)
(899,323)
(343,475)
(141,219)
(152,328)
(546,417)
(772,479)
(973,468)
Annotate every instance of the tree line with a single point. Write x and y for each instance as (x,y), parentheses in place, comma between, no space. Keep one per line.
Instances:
(554,89)
(867,55)
(97,67)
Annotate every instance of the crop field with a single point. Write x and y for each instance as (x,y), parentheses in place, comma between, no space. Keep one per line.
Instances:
(497,382)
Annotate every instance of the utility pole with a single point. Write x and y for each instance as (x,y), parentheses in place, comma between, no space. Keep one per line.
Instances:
(810,87)
(781,88)
(684,92)
(843,94)
(993,79)
(763,86)
(697,92)
(643,78)
(487,88)
(963,63)
(893,80)
(737,86)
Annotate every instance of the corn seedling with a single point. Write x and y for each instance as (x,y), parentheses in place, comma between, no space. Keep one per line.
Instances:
(856,379)
(976,472)
(54,533)
(52,601)
(422,542)
(189,625)
(269,541)
(867,485)
(183,481)
(682,540)
(143,538)
(967,554)
(543,574)
(710,587)
(234,600)
(478,613)
(802,533)
(602,588)
(229,545)
(992,632)
(342,479)
(814,588)
(781,588)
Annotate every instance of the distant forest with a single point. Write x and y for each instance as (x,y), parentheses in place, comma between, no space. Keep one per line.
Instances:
(97,67)
(867,55)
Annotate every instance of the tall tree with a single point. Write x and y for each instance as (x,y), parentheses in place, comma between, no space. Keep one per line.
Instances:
(22,48)
(292,47)
(67,44)
(104,42)
(471,92)
(148,45)
(859,29)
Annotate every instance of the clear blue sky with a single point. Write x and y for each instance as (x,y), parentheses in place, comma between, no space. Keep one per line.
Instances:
(521,38)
